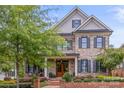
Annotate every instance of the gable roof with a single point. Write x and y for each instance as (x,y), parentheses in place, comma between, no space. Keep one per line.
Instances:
(96,19)
(71,12)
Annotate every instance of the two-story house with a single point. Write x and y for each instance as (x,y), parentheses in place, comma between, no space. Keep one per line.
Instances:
(86,37)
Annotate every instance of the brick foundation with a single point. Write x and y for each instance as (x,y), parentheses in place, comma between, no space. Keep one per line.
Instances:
(92,84)
(37,83)
(118,72)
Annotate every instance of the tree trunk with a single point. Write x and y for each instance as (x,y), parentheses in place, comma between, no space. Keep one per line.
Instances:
(6,75)
(109,72)
(17,74)
(17,63)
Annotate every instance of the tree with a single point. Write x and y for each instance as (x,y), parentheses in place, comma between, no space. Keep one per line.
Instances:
(111,58)
(24,36)
(122,46)
(111,46)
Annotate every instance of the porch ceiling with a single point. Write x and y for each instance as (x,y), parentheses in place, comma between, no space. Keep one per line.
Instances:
(62,57)
(65,56)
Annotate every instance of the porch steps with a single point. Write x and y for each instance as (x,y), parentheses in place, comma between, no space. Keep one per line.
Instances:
(53,82)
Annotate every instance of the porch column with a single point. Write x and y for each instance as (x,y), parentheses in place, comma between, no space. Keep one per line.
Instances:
(91,66)
(45,69)
(76,65)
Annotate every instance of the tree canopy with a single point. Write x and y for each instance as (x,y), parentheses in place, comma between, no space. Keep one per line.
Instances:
(111,58)
(24,35)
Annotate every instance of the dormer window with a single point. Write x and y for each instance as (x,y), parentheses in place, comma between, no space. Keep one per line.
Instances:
(76,23)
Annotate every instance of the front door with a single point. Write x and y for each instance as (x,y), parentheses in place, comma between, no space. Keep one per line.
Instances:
(61,67)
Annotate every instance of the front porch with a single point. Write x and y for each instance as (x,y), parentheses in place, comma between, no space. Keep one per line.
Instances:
(59,65)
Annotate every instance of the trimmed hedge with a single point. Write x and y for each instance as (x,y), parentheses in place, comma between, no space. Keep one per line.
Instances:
(98,80)
(7,85)
(8,82)
(12,83)
(22,85)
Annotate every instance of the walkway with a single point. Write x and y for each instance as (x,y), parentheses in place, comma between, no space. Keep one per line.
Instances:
(51,86)
(53,83)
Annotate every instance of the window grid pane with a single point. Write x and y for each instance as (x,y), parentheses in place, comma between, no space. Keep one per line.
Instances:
(99,42)
(66,46)
(84,42)
(84,66)
(76,23)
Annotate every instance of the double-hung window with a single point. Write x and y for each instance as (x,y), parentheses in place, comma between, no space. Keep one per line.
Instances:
(84,42)
(84,65)
(66,46)
(99,41)
(69,45)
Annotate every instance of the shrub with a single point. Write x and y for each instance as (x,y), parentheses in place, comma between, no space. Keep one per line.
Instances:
(7,85)
(7,78)
(100,76)
(67,77)
(79,77)
(8,82)
(89,76)
(87,80)
(77,80)
(33,77)
(52,75)
(44,83)
(25,85)
(22,80)
(97,80)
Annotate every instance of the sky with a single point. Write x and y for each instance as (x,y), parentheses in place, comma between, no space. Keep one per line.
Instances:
(111,15)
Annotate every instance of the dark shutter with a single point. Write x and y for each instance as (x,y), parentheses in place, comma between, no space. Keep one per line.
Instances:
(89,66)
(123,65)
(79,66)
(94,66)
(80,42)
(72,23)
(103,42)
(86,63)
(97,66)
(79,22)
(95,42)
(28,68)
(88,42)
(71,44)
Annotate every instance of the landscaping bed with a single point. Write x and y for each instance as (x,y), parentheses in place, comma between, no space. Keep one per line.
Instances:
(90,81)
(12,84)
(7,83)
